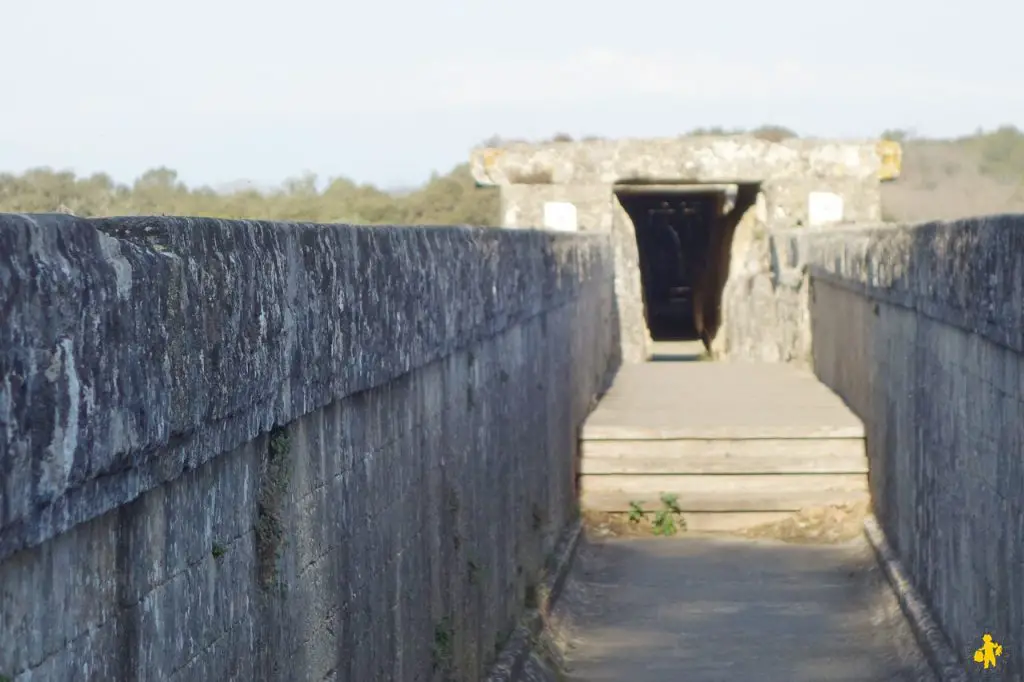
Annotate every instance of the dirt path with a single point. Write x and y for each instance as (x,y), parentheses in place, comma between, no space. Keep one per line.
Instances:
(726,608)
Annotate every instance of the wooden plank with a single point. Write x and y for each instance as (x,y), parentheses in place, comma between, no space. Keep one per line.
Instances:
(704,522)
(735,431)
(727,522)
(662,400)
(723,493)
(762,456)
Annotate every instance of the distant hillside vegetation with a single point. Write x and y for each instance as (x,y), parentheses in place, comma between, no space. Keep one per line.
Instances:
(941,179)
(450,199)
(946,179)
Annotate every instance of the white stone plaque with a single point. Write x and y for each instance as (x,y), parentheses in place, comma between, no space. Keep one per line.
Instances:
(824,208)
(512,216)
(560,215)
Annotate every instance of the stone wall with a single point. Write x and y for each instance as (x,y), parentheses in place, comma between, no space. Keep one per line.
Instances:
(765,300)
(921,331)
(255,451)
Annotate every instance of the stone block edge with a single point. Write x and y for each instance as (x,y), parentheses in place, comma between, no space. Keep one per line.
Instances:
(509,664)
(929,635)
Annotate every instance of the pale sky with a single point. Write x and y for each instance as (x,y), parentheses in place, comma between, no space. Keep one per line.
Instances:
(388,91)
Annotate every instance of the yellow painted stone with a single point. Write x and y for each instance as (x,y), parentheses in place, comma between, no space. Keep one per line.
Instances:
(490,156)
(891,155)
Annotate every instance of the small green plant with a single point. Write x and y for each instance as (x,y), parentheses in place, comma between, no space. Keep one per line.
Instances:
(537,515)
(453,501)
(543,595)
(501,639)
(274,479)
(218,550)
(669,519)
(532,596)
(636,513)
(442,649)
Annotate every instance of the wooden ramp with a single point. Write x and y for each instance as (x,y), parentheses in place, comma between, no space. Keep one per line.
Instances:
(738,444)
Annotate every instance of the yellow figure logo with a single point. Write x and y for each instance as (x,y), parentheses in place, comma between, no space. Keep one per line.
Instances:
(988,652)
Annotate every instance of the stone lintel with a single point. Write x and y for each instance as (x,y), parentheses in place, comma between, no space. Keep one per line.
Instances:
(734,159)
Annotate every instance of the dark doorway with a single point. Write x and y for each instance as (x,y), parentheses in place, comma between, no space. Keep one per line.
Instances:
(673,236)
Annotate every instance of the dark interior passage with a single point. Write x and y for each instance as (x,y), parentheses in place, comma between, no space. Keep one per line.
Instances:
(673,235)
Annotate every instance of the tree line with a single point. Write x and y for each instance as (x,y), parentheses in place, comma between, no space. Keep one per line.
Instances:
(445,199)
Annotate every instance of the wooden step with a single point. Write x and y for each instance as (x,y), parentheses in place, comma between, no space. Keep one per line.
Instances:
(722,492)
(737,444)
(721,522)
(709,400)
(705,430)
(754,456)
